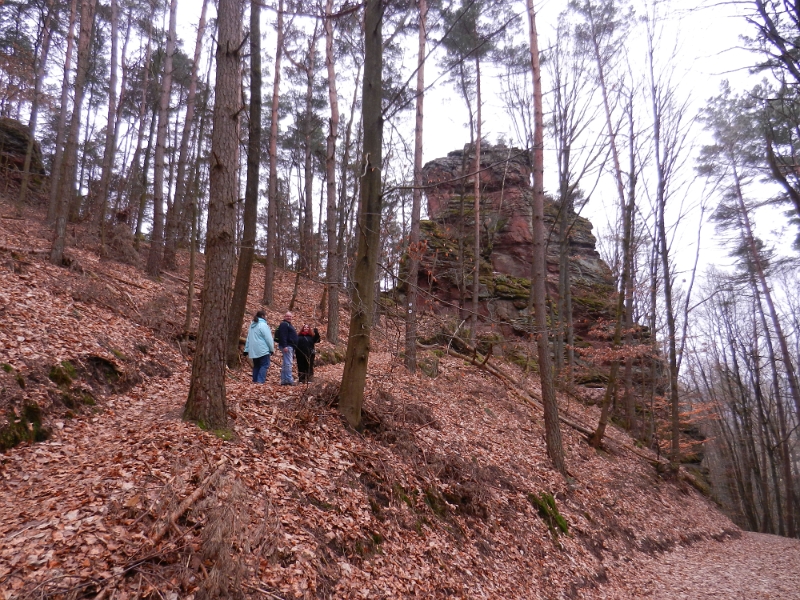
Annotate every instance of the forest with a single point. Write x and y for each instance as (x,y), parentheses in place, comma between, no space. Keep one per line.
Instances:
(276,151)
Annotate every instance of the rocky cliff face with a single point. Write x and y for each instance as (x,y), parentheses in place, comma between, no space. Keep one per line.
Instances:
(14,140)
(506,243)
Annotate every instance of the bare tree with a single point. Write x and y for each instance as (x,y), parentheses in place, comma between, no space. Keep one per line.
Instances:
(351,394)
(332,266)
(67,176)
(155,255)
(414,249)
(175,214)
(272,190)
(552,428)
(48,21)
(248,246)
(61,130)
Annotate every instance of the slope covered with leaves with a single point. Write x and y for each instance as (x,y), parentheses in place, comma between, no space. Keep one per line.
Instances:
(447,494)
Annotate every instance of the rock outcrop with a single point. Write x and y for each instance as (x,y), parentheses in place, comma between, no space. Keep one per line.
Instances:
(506,242)
(14,140)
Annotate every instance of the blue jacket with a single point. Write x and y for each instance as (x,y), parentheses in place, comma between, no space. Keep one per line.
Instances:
(259,340)
(287,335)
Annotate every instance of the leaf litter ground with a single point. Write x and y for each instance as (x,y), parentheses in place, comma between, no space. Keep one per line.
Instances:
(432,501)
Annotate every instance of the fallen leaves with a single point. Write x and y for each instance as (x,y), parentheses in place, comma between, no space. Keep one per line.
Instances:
(430,502)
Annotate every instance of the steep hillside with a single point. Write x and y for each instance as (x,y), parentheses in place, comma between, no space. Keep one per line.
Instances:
(448,494)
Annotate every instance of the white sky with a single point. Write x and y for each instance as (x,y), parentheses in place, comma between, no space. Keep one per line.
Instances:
(710,50)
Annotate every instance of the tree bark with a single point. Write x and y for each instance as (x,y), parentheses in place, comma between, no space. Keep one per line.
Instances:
(332,265)
(40,72)
(206,403)
(476,208)
(157,235)
(134,176)
(307,232)
(248,246)
(61,130)
(111,129)
(272,208)
(555,448)
(351,394)
(67,176)
(175,214)
(414,250)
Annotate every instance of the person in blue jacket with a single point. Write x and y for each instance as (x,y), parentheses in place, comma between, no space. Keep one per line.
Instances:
(259,346)
(287,342)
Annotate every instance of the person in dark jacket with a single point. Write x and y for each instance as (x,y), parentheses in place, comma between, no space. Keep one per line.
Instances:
(259,346)
(287,342)
(305,353)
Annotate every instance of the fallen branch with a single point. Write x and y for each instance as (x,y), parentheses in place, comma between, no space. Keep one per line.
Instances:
(125,281)
(188,502)
(33,251)
(516,388)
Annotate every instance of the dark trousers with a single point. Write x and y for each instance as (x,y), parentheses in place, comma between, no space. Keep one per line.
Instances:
(305,367)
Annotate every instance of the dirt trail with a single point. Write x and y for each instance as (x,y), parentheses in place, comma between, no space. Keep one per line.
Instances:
(753,567)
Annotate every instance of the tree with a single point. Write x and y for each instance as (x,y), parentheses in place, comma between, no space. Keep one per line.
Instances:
(175,214)
(248,246)
(61,130)
(66,178)
(272,189)
(552,428)
(732,160)
(603,31)
(669,145)
(206,403)
(111,124)
(414,249)
(351,394)
(155,255)
(332,264)
(48,22)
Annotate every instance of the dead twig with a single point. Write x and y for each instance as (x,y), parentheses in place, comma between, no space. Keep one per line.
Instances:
(188,502)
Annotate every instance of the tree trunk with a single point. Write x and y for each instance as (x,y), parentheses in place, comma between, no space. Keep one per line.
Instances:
(755,255)
(552,428)
(332,265)
(307,231)
(351,394)
(206,402)
(61,131)
(175,215)
(414,250)
(67,176)
(41,69)
(137,236)
(157,235)
(111,129)
(476,209)
(272,208)
(248,246)
(134,176)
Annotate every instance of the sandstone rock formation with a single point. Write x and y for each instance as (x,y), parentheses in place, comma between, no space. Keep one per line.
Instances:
(505,244)
(14,140)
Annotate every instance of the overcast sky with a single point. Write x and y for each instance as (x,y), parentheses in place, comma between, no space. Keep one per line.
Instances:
(708,41)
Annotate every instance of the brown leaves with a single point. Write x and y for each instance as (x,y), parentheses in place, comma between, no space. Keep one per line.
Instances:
(430,502)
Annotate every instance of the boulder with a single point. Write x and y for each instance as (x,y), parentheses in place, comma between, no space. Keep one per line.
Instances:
(14,140)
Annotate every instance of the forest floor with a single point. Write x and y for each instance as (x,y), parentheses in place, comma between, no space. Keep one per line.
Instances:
(437,499)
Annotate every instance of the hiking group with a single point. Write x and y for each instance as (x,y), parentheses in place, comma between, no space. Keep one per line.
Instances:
(260,346)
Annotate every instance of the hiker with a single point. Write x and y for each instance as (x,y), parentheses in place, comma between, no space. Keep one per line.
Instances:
(259,346)
(305,353)
(287,342)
